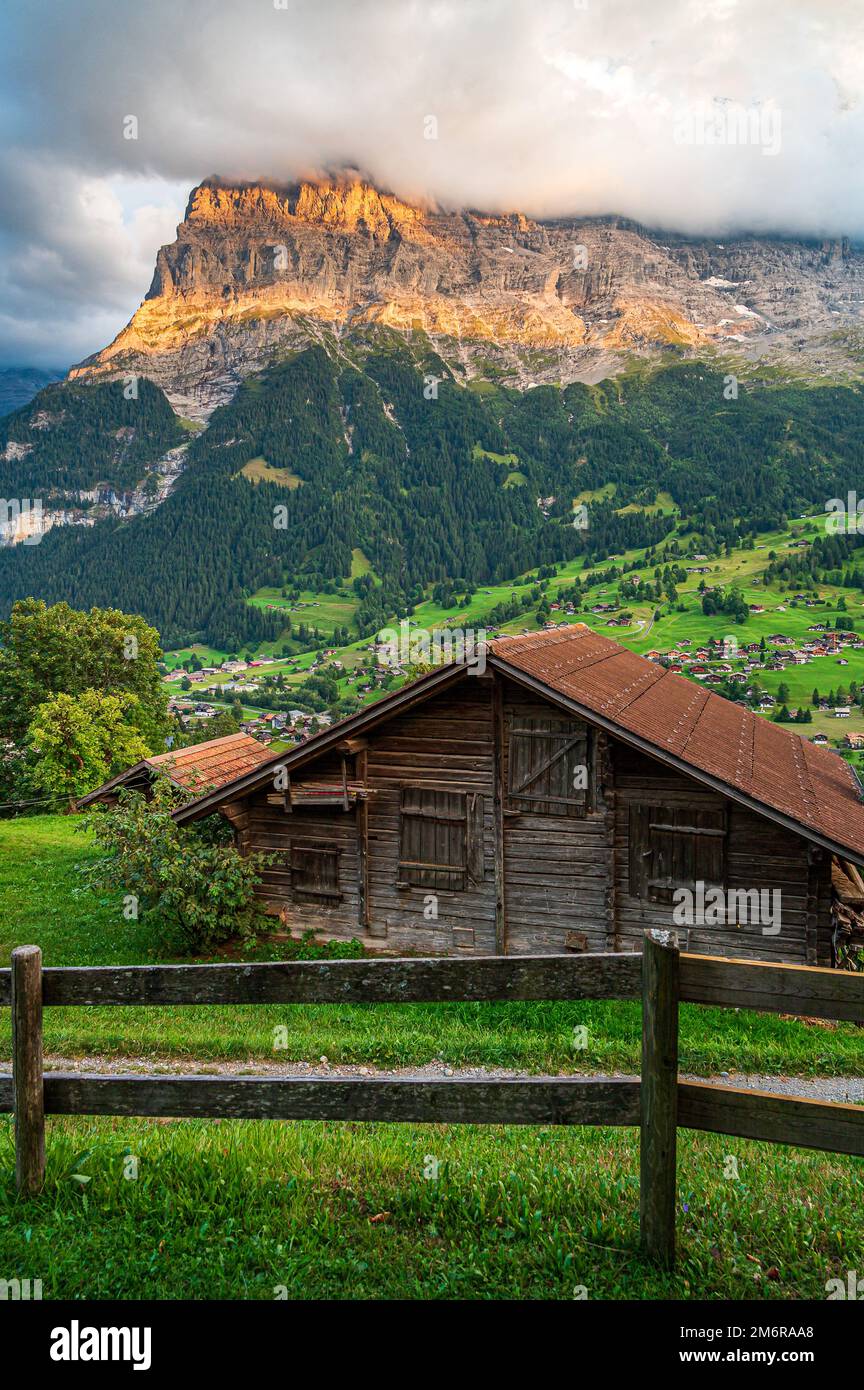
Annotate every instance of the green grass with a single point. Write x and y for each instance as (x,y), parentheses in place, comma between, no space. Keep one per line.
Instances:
(324,611)
(360,564)
(208,656)
(226,1210)
(258,470)
(509,459)
(44,901)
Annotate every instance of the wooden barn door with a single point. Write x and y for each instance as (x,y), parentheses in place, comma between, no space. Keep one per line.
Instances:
(554,831)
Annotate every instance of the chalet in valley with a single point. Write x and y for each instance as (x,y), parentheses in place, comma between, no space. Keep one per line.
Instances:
(556,800)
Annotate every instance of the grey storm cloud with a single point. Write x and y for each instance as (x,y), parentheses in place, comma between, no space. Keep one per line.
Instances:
(707,116)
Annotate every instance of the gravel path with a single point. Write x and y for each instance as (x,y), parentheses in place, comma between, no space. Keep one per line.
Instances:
(840,1088)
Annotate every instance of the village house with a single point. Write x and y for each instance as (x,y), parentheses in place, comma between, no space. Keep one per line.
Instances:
(556,800)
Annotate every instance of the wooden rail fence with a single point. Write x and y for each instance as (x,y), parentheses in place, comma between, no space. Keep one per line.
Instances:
(658,1103)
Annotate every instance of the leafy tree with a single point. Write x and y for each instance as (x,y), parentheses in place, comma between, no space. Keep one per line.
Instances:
(193,880)
(59,650)
(80,741)
(221,725)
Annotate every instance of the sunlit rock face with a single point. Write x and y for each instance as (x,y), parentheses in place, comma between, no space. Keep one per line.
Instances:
(256,272)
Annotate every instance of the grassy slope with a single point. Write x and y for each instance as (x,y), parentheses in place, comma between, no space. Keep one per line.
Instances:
(743,567)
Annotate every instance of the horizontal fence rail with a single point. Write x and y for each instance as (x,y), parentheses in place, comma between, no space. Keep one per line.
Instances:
(796,989)
(750,1114)
(529,1101)
(658,1102)
(483,979)
(808,990)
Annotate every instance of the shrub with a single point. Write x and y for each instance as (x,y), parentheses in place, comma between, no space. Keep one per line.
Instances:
(193,879)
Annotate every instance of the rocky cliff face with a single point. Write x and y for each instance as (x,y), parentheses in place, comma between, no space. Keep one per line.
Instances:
(258,271)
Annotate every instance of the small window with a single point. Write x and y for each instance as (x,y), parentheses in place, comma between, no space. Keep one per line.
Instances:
(674,848)
(315,872)
(440,839)
(550,771)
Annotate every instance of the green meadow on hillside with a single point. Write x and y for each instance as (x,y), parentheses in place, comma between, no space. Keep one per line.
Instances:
(742,569)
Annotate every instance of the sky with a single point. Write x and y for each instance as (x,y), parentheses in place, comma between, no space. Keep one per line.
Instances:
(706,117)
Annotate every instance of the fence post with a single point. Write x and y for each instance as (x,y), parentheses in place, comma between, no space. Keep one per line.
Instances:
(27,1069)
(659,1096)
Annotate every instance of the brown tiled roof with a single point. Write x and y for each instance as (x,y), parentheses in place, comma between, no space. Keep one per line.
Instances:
(198,768)
(725,744)
(214,763)
(767,763)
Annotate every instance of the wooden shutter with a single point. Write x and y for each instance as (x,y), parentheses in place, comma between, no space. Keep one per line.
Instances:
(675,847)
(315,872)
(434,839)
(543,757)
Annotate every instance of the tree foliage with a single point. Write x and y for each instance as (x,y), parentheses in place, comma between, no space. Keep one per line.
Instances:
(199,889)
(82,740)
(59,650)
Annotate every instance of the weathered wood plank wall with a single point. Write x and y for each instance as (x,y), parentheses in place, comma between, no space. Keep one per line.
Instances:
(538,881)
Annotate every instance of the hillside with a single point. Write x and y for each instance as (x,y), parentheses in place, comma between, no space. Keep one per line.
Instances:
(435,490)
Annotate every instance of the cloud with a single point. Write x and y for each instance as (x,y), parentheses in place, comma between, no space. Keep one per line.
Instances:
(76,255)
(696,115)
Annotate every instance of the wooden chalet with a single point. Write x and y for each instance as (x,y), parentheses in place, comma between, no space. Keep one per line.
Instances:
(553,802)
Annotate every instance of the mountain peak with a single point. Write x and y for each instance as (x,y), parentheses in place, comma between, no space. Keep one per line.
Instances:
(345,201)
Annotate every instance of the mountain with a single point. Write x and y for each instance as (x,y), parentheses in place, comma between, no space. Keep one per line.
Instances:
(87,452)
(259,271)
(325,371)
(18,385)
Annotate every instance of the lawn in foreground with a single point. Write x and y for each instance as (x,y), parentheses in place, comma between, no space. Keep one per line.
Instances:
(338,1210)
(44,901)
